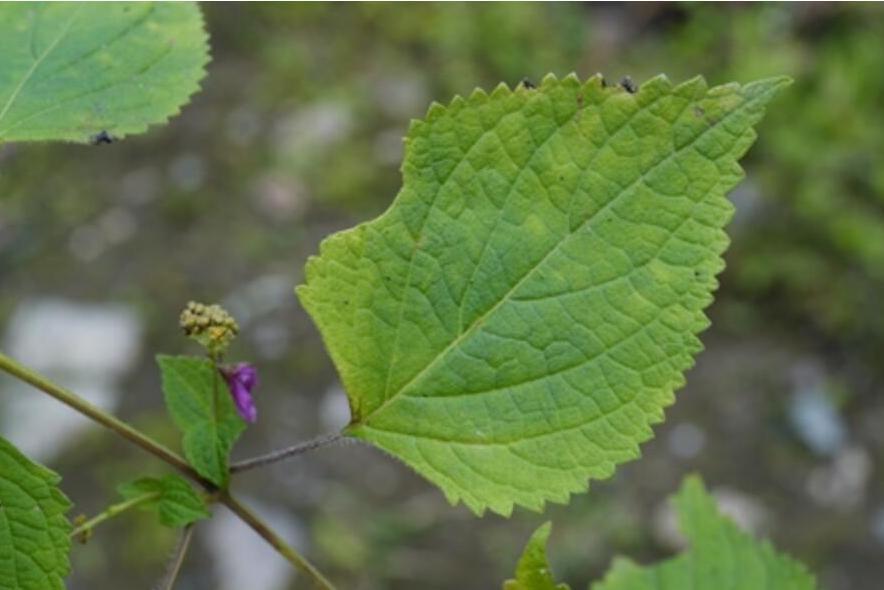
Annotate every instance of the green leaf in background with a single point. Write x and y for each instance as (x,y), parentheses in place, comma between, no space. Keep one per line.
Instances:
(34,541)
(533,572)
(200,405)
(70,71)
(176,502)
(520,316)
(720,555)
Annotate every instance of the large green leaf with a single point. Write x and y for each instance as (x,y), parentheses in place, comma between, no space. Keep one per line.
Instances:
(201,406)
(175,500)
(523,312)
(34,542)
(69,71)
(720,556)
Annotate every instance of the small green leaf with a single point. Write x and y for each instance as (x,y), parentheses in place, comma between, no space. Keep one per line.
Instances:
(522,314)
(34,542)
(201,407)
(70,71)
(177,503)
(533,572)
(720,556)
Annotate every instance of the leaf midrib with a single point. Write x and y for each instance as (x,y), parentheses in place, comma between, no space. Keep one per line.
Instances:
(442,185)
(464,333)
(505,298)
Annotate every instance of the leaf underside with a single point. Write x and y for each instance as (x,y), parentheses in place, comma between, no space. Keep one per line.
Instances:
(720,556)
(69,71)
(520,316)
(200,405)
(34,542)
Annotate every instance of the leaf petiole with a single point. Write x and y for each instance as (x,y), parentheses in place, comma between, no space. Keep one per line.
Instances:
(282,454)
(85,530)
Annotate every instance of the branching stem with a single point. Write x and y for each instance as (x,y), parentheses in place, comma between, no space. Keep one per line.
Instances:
(98,415)
(281,454)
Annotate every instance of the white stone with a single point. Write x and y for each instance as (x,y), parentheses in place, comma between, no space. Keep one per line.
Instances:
(86,348)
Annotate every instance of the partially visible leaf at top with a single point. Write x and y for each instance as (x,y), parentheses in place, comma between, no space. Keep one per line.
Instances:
(200,404)
(533,571)
(520,316)
(34,542)
(84,71)
(720,556)
(174,499)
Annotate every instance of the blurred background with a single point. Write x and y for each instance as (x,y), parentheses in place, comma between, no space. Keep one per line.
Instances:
(297,133)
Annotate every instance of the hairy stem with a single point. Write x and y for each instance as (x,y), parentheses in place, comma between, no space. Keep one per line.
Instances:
(111,511)
(281,454)
(174,567)
(71,399)
(269,535)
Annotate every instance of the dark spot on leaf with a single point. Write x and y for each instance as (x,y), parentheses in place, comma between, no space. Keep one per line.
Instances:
(580,100)
(526,83)
(628,85)
(101,137)
(699,111)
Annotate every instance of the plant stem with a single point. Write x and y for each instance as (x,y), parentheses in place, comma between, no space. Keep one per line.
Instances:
(111,511)
(260,527)
(71,399)
(292,451)
(174,567)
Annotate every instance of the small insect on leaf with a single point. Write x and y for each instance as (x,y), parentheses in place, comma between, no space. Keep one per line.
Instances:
(102,137)
(628,85)
(526,83)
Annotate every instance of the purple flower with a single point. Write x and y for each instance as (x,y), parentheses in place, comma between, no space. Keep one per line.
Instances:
(241,379)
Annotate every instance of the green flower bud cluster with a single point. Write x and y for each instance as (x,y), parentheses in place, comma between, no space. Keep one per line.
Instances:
(210,325)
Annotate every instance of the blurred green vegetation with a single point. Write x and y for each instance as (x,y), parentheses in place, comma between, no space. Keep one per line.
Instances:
(298,133)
